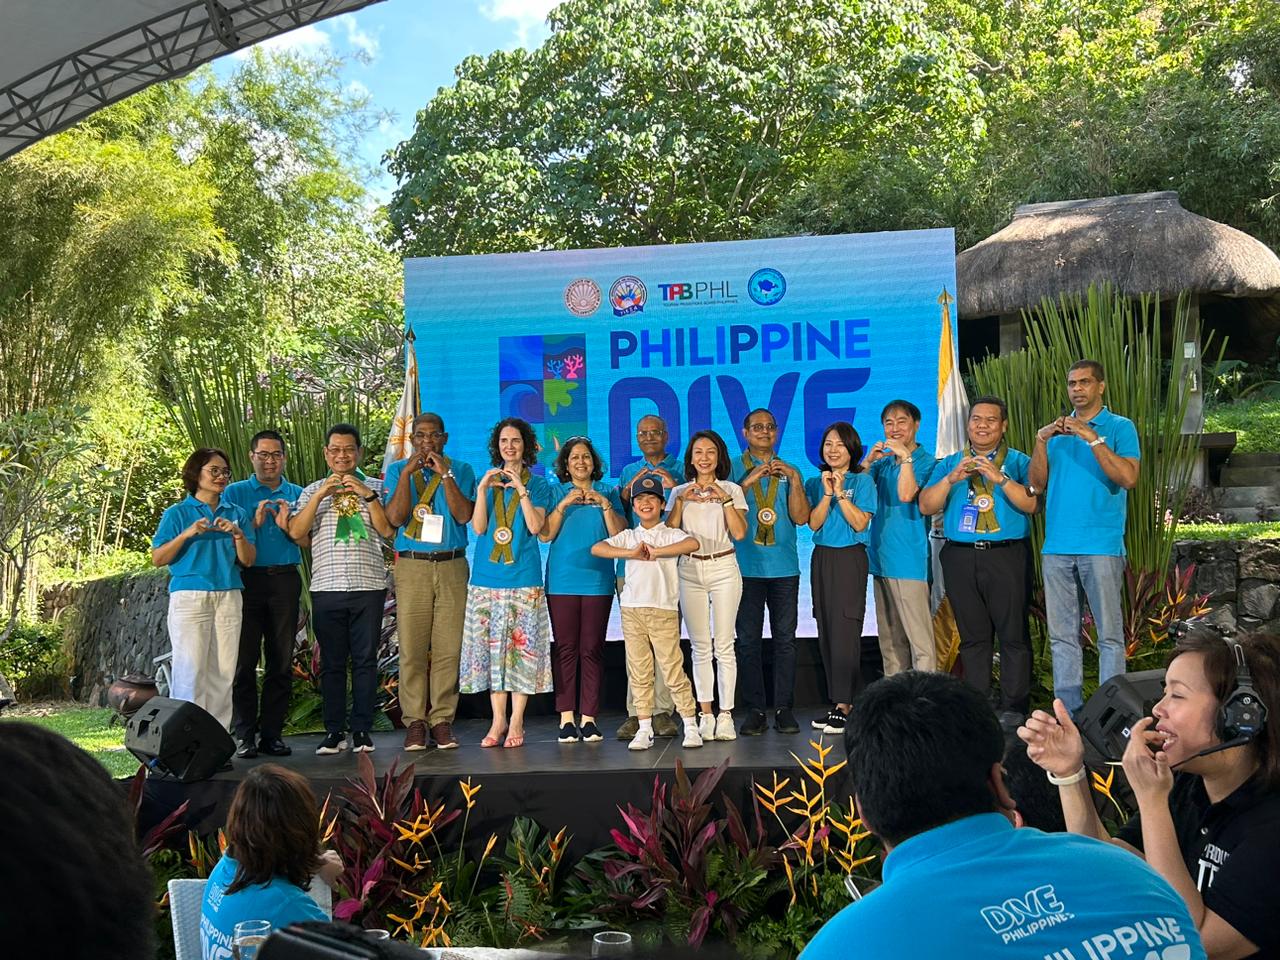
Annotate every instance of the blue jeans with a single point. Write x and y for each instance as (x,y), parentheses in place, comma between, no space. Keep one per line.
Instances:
(1101,580)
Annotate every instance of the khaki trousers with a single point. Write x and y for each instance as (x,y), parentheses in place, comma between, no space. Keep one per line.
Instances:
(650,633)
(905,625)
(431,600)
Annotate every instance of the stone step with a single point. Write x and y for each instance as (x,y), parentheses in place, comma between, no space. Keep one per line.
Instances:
(1237,476)
(1255,460)
(1249,496)
(1238,514)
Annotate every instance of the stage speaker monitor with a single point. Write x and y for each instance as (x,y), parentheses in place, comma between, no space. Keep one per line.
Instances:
(175,738)
(1117,705)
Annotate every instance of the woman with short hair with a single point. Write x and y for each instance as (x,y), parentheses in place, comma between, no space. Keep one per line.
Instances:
(506,636)
(273,851)
(201,540)
(580,586)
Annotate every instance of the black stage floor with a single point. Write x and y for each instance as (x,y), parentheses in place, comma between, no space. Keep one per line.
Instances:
(578,786)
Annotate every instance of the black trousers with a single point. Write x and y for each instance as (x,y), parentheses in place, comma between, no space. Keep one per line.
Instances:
(782,596)
(348,625)
(989,592)
(838,576)
(268,627)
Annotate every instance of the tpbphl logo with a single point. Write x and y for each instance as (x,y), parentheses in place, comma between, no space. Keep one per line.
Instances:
(1023,916)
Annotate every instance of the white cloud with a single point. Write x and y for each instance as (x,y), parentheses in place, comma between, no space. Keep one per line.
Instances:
(529,15)
(359,39)
(308,40)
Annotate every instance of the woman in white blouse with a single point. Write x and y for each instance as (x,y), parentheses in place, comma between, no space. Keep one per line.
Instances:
(714,510)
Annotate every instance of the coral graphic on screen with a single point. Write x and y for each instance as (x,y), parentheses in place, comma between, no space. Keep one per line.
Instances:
(543,379)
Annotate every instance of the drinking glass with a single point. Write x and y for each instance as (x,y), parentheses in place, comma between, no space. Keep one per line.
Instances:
(248,937)
(611,943)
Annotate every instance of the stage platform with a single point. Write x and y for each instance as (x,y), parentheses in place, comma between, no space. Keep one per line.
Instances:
(577,785)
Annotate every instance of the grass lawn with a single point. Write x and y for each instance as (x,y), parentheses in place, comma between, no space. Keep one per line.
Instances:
(1269,530)
(87,727)
(1256,423)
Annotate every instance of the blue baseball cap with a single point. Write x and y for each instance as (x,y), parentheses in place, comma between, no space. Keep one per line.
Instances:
(647,483)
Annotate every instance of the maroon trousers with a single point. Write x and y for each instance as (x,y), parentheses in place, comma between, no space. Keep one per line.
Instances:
(578,624)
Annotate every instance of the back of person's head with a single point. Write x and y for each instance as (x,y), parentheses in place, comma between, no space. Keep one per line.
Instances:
(921,750)
(67,850)
(1035,799)
(273,828)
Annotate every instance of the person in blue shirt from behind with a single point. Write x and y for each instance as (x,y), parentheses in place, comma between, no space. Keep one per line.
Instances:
(273,851)
(1086,464)
(959,881)
(272,588)
(204,540)
(579,585)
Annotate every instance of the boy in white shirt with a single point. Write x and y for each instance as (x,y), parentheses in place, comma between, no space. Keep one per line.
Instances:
(650,605)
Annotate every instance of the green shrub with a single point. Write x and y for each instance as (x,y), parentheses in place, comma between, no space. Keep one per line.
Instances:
(1256,424)
(33,660)
(1269,530)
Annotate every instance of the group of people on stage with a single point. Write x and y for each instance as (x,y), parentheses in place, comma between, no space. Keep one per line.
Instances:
(710,539)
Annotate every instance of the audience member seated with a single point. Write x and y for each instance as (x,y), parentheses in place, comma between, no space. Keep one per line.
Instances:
(1035,798)
(959,880)
(273,851)
(74,885)
(1212,829)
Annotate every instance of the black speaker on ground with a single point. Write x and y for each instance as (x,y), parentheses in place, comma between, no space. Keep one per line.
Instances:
(1118,704)
(175,738)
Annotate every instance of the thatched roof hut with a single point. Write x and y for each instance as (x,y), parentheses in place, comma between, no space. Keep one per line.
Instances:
(1141,243)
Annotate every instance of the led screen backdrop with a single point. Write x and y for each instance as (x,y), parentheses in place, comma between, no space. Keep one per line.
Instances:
(586,342)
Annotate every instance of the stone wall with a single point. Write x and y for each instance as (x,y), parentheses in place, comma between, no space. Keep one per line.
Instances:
(116,626)
(1241,577)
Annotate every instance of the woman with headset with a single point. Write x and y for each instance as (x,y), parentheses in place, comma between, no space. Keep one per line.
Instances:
(1205,770)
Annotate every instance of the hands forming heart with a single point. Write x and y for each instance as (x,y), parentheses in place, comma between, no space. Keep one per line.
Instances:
(642,552)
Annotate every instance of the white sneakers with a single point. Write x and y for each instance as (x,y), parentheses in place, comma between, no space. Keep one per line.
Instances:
(707,726)
(691,736)
(724,726)
(643,739)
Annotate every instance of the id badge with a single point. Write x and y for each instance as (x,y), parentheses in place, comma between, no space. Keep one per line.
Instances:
(969,518)
(432,528)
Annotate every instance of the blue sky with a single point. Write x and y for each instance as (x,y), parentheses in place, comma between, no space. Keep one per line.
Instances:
(412,47)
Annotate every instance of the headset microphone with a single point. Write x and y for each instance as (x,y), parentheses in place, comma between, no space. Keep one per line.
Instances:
(1237,742)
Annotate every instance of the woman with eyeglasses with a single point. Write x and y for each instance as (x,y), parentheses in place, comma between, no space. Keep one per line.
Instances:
(201,540)
(580,586)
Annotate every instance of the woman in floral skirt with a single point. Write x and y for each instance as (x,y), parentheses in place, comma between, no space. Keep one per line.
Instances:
(506,636)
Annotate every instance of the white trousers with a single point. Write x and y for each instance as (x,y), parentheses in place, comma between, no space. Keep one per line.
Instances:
(204,629)
(709,595)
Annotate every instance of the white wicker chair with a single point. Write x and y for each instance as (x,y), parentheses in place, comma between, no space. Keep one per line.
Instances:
(186,898)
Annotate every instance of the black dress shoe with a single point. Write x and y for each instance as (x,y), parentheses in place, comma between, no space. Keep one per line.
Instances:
(275,747)
(246,750)
(755,724)
(785,721)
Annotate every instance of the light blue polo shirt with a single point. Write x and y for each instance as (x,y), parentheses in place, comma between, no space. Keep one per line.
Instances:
(1014,524)
(778,559)
(571,569)
(899,546)
(1084,510)
(206,562)
(277,901)
(835,530)
(978,888)
(454,533)
(275,549)
(526,570)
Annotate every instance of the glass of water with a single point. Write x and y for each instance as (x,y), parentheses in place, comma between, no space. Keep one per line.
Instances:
(611,943)
(248,937)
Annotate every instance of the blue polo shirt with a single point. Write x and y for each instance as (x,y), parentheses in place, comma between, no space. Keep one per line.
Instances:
(899,546)
(571,569)
(526,570)
(278,901)
(206,562)
(978,888)
(1084,510)
(454,533)
(835,530)
(275,549)
(1014,524)
(778,559)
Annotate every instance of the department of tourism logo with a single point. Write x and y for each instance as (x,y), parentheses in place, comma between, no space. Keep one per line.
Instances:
(766,286)
(627,295)
(582,297)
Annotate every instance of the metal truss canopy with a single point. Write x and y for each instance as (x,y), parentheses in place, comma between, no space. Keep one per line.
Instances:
(62,59)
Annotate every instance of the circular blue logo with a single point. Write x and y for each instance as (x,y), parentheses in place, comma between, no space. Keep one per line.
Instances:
(766,286)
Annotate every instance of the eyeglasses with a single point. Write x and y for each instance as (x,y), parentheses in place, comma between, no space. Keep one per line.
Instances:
(649,434)
(267,455)
(218,472)
(763,427)
(342,451)
(434,435)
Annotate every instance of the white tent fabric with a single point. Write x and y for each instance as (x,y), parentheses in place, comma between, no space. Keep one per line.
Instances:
(62,59)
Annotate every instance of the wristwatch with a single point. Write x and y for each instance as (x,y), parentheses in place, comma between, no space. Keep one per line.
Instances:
(1097,440)
(1032,490)
(448,475)
(370,498)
